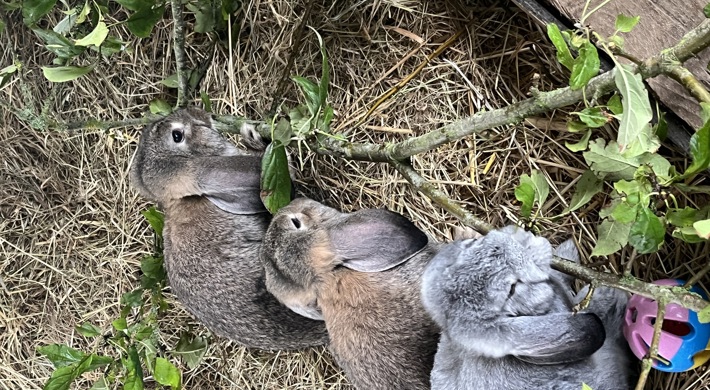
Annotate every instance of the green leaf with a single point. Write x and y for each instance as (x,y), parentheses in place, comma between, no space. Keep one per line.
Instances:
(704,315)
(170,82)
(149,353)
(141,23)
(33,10)
(585,386)
(624,212)
(576,126)
(647,232)
(153,271)
(687,234)
(325,71)
(166,373)
(100,384)
(160,106)
(585,66)
(155,219)
(612,236)
(88,330)
(61,355)
(62,74)
(661,128)
(607,160)
(682,217)
(312,93)
(525,194)
(635,134)
(626,23)
(143,332)
(96,37)
(205,14)
(582,144)
(57,44)
(635,191)
(61,378)
(702,228)
(92,362)
(563,54)
(614,105)
(191,349)
(134,372)
(592,117)
(585,189)
(206,101)
(275,179)
(119,324)
(282,132)
(133,298)
(699,148)
(617,40)
(66,24)
(135,5)
(85,10)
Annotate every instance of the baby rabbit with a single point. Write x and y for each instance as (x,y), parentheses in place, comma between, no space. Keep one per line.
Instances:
(506,319)
(360,272)
(214,225)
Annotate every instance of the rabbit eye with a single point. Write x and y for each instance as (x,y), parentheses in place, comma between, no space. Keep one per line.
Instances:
(296,223)
(512,289)
(177,136)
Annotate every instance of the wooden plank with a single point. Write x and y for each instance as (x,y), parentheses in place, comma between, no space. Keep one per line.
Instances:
(662,24)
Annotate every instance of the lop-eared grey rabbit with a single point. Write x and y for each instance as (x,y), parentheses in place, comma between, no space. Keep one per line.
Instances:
(507,323)
(360,272)
(214,225)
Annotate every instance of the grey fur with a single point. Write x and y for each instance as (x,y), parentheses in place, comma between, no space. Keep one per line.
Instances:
(214,227)
(361,273)
(495,336)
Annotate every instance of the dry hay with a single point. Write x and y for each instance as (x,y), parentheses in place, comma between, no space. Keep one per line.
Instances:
(71,232)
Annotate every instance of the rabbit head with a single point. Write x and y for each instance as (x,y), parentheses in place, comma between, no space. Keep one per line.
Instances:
(496,296)
(307,240)
(183,155)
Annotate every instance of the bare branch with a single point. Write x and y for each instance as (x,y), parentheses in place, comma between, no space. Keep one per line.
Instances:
(647,362)
(179,49)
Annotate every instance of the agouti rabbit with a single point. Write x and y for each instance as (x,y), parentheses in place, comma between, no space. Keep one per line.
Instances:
(214,225)
(507,323)
(360,272)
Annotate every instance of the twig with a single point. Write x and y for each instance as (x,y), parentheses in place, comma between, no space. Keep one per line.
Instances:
(630,263)
(647,362)
(632,285)
(179,48)
(295,52)
(697,276)
(428,189)
(584,303)
(683,76)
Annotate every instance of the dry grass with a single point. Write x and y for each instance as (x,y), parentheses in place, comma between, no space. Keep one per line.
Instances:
(71,235)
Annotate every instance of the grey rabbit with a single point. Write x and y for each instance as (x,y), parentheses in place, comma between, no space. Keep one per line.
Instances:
(360,272)
(507,323)
(214,226)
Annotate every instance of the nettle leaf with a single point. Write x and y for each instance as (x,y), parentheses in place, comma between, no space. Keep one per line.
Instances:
(61,379)
(275,179)
(612,236)
(160,106)
(141,23)
(700,148)
(614,105)
(563,54)
(191,349)
(647,233)
(702,228)
(156,220)
(134,372)
(153,271)
(635,133)
(61,355)
(62,74)
(61,46)
(582,144)
(592,117)
(88,330)
(133,298)
(607,160)
(166,373)
(33,10)
(96,37)
(585,189)
(626,23)
(585,66)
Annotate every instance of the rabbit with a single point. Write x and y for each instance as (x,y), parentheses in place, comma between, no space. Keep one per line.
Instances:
(359,272)
(214,225)
(507,323)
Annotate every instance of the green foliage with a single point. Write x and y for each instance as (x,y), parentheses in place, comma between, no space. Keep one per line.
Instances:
(563,54)
(60,74)
(532,190)
(635,133)
(626,23)
(587,186)
(275,179)
(585,66)
(131,343)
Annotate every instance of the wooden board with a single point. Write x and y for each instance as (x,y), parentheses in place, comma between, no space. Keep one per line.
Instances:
(662,24)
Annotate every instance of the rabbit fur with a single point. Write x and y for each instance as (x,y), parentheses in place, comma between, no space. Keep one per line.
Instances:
(360,272)
(506,319)
(214,225)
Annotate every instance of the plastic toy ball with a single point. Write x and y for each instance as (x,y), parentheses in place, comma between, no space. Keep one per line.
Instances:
(684,342)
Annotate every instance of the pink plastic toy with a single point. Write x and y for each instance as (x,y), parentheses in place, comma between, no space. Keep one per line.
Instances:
(684,342)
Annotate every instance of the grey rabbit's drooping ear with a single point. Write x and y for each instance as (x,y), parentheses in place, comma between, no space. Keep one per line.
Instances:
(376,240)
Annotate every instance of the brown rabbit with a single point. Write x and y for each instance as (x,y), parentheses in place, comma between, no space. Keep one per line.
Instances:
(214,225)
(360,272)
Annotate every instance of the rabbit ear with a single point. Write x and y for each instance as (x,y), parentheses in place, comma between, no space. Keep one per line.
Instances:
(231,183)
(376,240)
(555,338)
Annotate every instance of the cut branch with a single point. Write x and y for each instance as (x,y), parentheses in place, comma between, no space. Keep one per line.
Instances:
(179,49)
(683,76)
